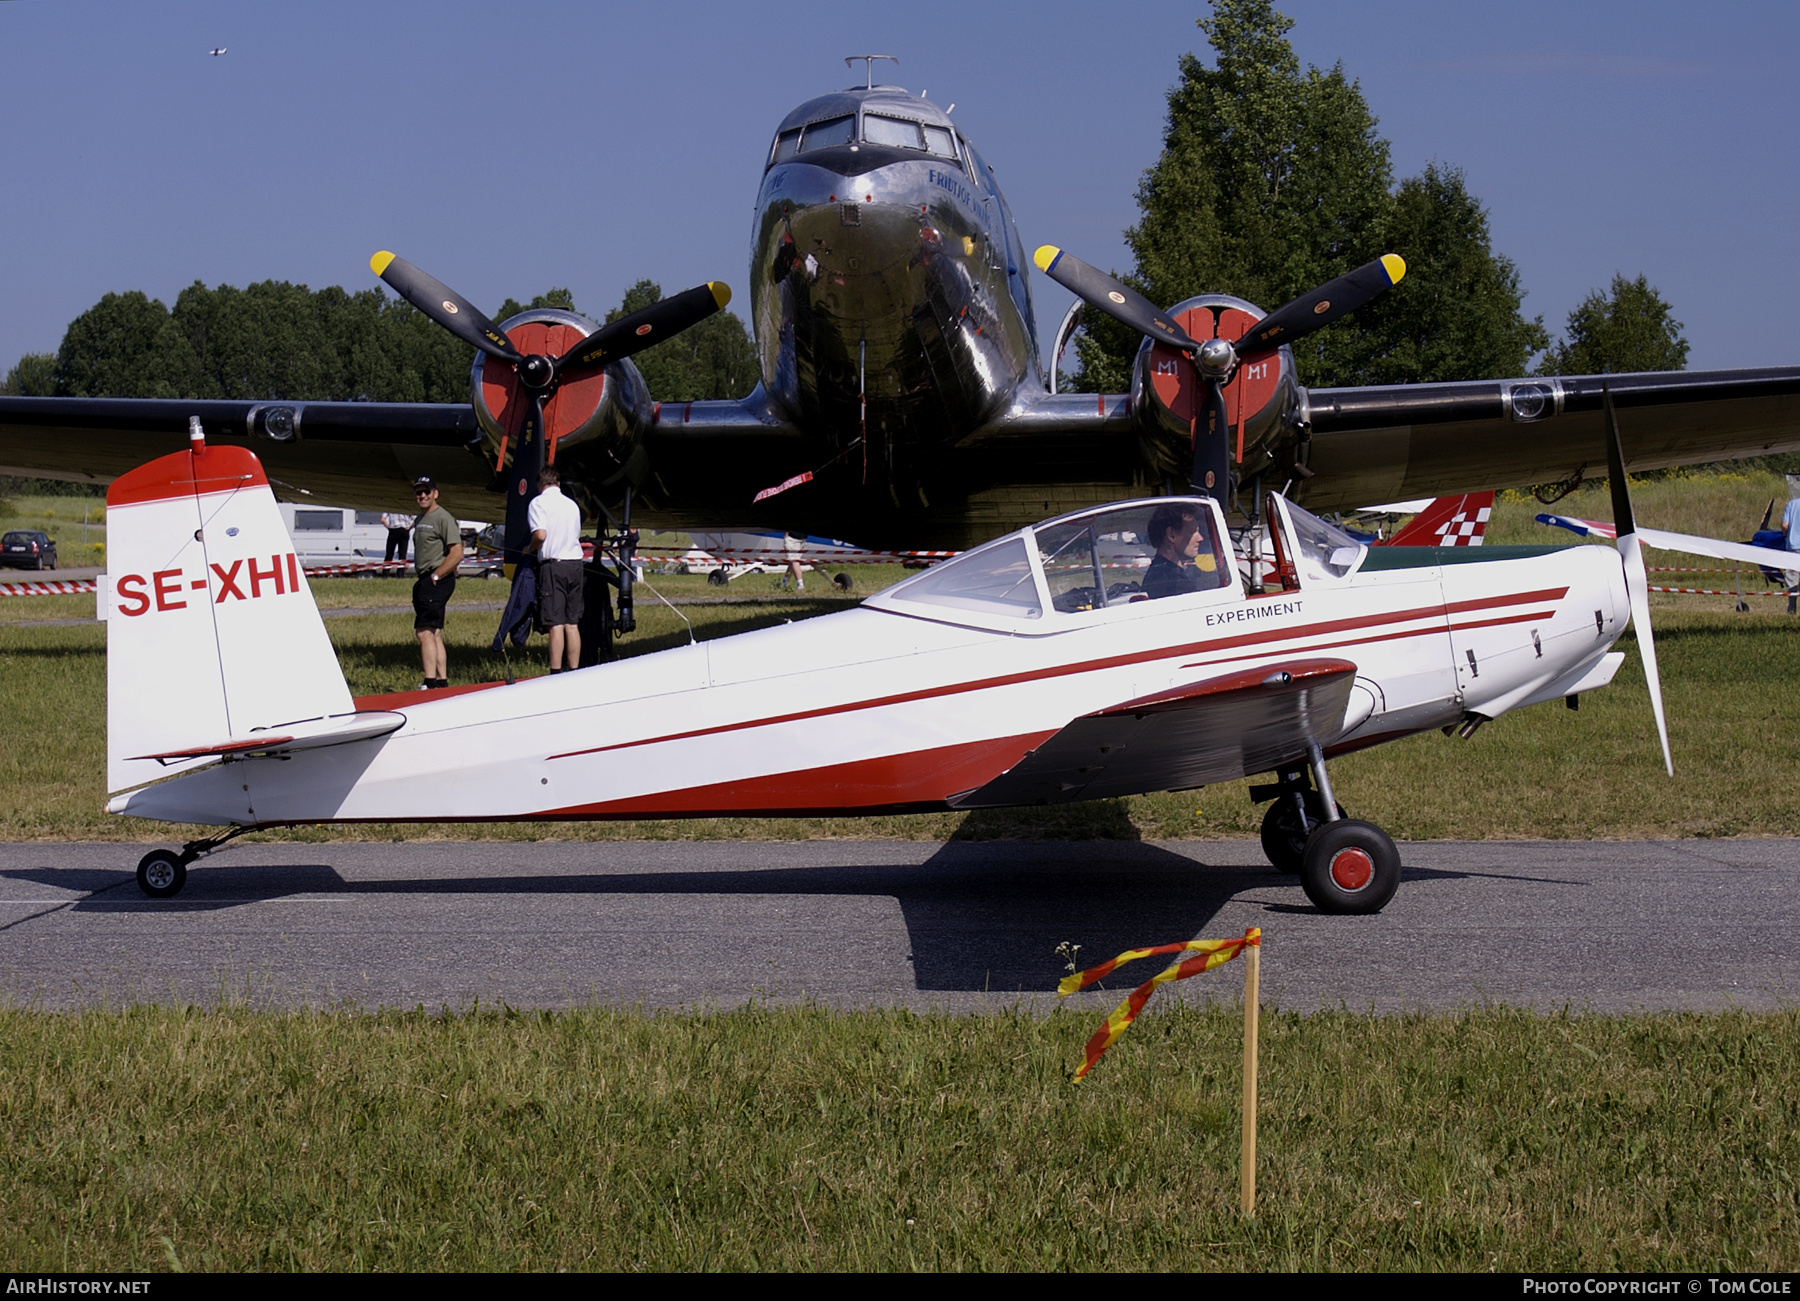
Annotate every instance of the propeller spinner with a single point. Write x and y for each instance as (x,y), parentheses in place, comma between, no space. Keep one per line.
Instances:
(1217,359)
(538,373)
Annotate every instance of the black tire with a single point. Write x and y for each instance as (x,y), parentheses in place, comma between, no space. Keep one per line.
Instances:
(161,873)
(718,578)
(843,582)
(1283,838)
(1351,867)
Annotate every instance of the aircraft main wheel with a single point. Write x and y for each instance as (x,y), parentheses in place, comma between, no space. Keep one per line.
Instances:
(1283,838)
(1350,866)
(161,873)
(718,578)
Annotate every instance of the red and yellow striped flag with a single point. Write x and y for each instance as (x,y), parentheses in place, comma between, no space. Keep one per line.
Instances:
(1209,954)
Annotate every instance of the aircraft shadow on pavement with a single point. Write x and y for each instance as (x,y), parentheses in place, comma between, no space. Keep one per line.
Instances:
(984,915)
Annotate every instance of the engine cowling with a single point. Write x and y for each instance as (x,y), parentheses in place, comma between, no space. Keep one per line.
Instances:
(598,418)
(1262,401)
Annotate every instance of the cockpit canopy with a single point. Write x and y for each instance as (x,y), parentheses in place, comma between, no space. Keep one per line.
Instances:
(1095,560)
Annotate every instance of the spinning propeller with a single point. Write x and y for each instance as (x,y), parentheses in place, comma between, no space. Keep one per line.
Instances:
(539,375)
(1637,579)
(1217,359)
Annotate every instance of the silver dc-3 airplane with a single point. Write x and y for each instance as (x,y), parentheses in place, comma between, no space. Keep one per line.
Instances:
(905,401)
(1118,649)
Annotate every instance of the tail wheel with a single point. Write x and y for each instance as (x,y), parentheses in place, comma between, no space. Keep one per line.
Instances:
(1283,834)
(161,873)
(1350,867)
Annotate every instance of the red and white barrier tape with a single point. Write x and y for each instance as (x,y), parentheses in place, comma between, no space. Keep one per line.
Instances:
(61,587)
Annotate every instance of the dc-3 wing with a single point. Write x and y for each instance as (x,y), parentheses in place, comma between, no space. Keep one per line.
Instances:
(356,453)
(1218,730)
(1425,440)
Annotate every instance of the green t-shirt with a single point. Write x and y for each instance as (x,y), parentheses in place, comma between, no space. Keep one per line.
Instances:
(433,536)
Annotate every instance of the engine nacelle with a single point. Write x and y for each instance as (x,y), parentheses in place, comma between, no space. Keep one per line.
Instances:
(598,419)
(1262,401)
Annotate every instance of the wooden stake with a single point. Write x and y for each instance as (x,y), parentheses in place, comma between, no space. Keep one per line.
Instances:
(1247,1163)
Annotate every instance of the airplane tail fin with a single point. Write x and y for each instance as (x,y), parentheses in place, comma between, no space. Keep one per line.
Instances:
(211,631)
(1456,521)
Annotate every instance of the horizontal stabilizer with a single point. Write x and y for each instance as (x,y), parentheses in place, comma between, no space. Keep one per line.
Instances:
(1218,730)
(308,735)
(1743,552)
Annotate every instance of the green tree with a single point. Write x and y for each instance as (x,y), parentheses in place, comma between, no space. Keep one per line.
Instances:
(555,298)
(1273,180)
(1456,315)
(1270,181)
(110,350)
(714,359)
(33,377)
(1627,328)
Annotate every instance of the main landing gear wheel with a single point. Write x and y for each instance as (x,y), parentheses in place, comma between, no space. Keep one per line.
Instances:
(161,873)
(1283,834)
(1350,867)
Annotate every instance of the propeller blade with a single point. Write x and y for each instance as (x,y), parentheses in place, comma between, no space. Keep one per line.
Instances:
(1212,445)
(521,480)
(1119,301)
(663,319)
(443,305)
(1319,308)
(1637,580)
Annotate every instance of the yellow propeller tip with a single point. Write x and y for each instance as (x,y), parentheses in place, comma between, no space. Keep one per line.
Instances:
(1395,266)
(379,263)
(721,291)
(1045,256)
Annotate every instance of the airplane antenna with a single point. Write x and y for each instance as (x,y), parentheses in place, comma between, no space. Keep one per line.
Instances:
(869,64)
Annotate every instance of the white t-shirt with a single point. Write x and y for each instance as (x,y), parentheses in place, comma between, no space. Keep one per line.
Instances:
(560,518)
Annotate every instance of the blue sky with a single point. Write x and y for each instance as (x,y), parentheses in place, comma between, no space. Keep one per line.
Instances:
(511,147)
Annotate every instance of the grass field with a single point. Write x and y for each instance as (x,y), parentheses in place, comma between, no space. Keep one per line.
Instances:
(76,524)
(1728,678)
(807,1139)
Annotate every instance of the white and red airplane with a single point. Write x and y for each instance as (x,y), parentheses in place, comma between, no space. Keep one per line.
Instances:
(1107,652)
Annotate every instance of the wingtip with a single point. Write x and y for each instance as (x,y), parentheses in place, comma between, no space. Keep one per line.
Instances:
(1045,256)
(379,263)
(1395,265)
(721,292)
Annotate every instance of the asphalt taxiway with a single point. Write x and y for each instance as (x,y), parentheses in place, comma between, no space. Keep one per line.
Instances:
(1614,926)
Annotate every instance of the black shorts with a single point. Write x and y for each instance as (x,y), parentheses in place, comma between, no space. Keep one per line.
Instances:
(429,599)
(559,592)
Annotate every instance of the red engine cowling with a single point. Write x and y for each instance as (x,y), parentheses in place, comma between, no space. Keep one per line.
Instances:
(604,412)
(1261,401)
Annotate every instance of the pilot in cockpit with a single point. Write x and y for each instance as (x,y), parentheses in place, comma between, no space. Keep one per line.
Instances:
(1187,559)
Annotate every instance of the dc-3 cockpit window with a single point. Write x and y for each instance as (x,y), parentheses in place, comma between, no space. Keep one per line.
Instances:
(1322,551)
(902,133)
(823,135)
(993,580)
(1132,553)
(787,144)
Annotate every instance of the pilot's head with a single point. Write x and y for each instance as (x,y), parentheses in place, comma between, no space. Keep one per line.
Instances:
(549,477)
(1175,531)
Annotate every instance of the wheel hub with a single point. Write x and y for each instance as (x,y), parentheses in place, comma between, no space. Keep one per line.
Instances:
(1352,869)
(160,874)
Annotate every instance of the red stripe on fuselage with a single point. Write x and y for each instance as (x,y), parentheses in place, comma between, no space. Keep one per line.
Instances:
(1115,661)
(920,781)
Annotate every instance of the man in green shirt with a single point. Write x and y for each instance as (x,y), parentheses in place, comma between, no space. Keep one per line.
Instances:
(437,550)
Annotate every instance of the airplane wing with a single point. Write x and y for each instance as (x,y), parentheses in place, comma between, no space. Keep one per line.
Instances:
(1426,440)
(1218,730)
(359,453)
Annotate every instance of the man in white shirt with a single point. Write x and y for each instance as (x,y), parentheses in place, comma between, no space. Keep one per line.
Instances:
(555,523)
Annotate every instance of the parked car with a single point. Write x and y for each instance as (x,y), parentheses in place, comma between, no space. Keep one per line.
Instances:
(28,549)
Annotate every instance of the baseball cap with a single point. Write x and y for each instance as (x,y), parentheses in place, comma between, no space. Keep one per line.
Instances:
(424,483)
